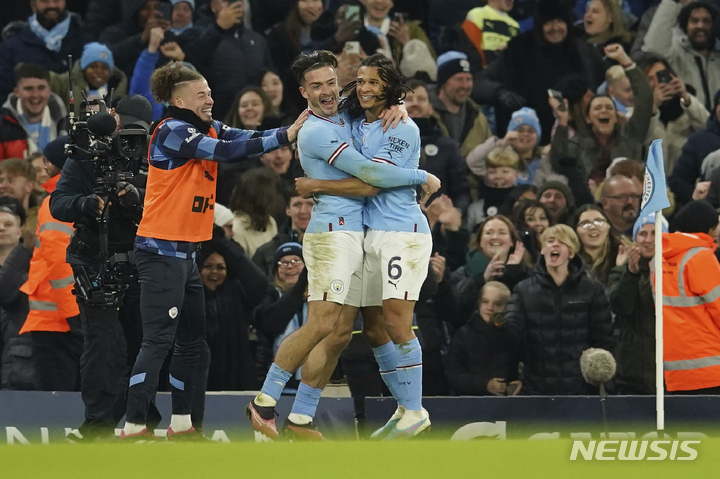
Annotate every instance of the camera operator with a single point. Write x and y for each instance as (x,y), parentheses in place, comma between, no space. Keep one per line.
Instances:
(112,335)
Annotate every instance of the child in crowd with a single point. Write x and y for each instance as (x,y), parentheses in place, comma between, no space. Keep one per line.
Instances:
(480,359)
(501,176)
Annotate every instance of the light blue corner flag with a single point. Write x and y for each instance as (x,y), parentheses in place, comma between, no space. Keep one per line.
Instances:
(654,192)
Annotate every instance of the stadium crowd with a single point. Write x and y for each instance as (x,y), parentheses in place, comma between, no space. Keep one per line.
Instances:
(536,115)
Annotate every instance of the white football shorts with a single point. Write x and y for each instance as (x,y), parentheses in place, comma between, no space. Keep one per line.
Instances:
(396,265)
(334,260)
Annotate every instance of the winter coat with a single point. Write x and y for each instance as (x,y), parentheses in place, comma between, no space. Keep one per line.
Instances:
(123,38)
(441,156)
(675,133)
(59,83)
(475,130)
(528,56)
(468,280)
(14,137)
(279,314)
(479,352)
(16,370)
(631,300)
(490,201)
(234,57)
(26,47)
(688,166)
(229,317)
(140,80)
(713,196)
(552,325)
(691,312)
(693,67)
(452,245)
(627,141)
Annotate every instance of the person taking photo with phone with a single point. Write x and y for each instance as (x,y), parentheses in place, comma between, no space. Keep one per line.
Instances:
(400,38)
(606,139)
(676,113)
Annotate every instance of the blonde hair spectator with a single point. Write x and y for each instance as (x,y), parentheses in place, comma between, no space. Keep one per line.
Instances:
(564,234)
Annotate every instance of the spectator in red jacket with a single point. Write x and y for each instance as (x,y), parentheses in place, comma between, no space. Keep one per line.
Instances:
(32,116)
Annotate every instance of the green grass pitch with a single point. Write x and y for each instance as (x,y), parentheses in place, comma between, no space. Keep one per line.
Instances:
(481,459)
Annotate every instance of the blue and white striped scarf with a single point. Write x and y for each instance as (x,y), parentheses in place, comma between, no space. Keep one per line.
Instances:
(53,38)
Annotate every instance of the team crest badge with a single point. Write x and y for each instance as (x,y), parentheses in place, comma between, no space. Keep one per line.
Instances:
(337,286)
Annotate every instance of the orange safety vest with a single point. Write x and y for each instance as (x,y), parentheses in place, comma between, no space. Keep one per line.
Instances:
(50,280)
(179,203)
(691,312)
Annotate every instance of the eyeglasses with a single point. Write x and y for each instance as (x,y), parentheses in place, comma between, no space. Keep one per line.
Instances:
(294,262)
(624,197)
(598,223)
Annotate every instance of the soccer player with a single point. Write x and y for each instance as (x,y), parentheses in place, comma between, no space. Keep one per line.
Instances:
(397,244)
(332,246)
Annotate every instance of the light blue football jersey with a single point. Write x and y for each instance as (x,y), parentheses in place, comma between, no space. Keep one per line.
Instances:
(326,153)
(393,209)
(320,140)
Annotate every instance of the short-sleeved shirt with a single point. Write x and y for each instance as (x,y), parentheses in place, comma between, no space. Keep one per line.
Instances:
(393,209)
(320,141)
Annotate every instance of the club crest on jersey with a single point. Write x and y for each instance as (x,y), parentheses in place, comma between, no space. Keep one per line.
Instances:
(337,286)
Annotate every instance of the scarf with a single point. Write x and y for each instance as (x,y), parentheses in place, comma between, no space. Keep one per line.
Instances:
(39,134)
(53,38)
(179,31)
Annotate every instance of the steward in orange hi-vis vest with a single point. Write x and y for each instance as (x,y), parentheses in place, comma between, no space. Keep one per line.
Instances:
(50,281)
(691,312)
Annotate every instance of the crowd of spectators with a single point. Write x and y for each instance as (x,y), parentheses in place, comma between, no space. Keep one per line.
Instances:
(536,115)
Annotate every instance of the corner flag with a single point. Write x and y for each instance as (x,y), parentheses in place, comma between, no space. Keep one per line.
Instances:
(654,191)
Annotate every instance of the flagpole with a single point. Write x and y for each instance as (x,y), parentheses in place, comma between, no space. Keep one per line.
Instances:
(659,375)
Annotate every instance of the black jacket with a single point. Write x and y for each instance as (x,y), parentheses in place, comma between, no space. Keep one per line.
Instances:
(274,314)
(229,316)
(469,279)
(234,57)
(123,38)
(17,370)
(553,325)
(27,47)
(440,156)
(77,181)
(479,352)
(631,300)
(529,66)
(687,168)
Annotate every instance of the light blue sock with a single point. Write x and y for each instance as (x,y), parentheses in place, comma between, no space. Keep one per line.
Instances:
(387,358)
(409,374)
(306,400)
(275,381)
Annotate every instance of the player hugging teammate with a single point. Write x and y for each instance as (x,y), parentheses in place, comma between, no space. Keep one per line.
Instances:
(360,252)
